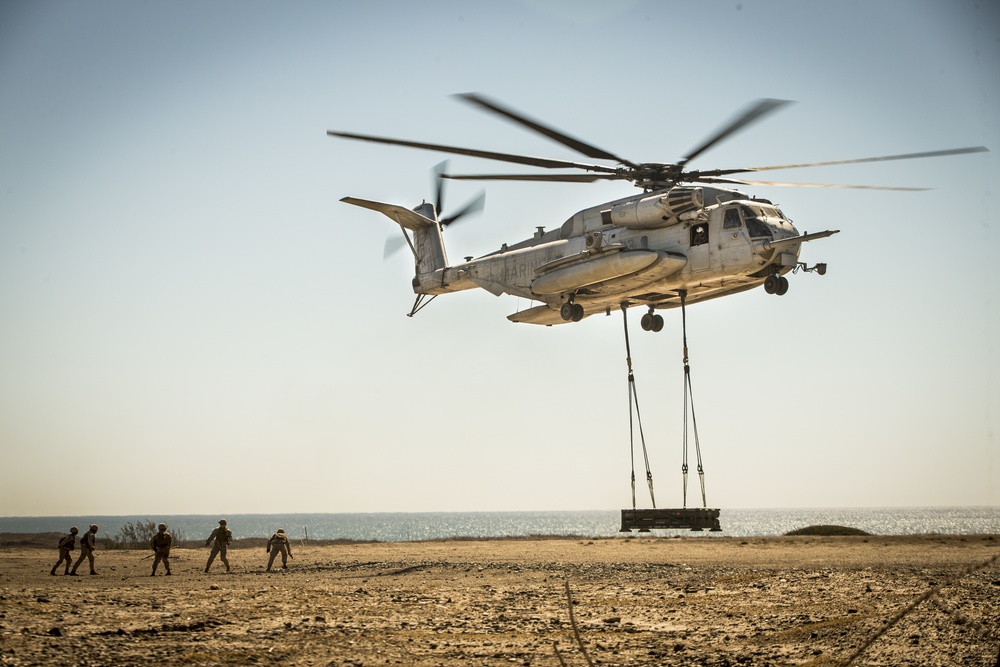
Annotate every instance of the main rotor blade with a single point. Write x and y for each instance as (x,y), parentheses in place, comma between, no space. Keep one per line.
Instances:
(808,185)
(564,178)
(755,112)
(882,158)
(546,163)
(576,144)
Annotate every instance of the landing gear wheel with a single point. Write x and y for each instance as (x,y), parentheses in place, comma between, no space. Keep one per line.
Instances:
(566,312)
(771,284)
(651,322)
(577,312)
(782,286)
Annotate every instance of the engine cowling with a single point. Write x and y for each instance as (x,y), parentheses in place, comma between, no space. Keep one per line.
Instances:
(660,210)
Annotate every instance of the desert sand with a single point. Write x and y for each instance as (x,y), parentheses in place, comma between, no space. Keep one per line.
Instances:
(928,600)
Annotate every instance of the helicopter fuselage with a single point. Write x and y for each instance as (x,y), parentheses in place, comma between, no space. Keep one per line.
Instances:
(640,250)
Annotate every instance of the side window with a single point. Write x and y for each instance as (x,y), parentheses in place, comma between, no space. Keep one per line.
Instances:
(732,220)
(699,234)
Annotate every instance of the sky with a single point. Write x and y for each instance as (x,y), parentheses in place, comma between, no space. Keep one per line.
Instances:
(191,322)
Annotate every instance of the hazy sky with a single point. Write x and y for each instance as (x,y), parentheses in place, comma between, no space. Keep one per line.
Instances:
(191,322)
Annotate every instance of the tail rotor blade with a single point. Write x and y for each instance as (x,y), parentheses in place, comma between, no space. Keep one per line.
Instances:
(393,244)
(440,173)
(473,206)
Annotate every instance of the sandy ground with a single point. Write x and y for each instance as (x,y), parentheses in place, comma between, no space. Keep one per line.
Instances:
(636,601)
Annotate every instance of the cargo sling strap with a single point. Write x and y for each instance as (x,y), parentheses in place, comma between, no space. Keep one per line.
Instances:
(635,418)
(689,401)
(646,520)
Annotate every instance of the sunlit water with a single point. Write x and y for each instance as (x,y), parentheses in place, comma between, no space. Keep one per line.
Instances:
(410,526)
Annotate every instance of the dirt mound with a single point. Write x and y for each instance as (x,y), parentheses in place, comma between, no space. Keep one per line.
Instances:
(839,531)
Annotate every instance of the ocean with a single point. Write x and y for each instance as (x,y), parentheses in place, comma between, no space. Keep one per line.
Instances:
(413,526)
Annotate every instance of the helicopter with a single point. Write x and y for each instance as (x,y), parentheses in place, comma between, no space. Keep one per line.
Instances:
(683,239)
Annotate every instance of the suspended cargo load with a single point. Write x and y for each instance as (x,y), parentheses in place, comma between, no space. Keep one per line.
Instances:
(696,519)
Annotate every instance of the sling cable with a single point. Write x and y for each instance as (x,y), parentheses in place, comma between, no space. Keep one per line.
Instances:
(644,520)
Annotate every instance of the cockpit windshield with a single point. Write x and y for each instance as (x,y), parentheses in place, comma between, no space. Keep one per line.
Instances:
(756,227)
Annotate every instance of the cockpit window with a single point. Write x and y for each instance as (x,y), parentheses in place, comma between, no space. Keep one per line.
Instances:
(732,220)
(755,227)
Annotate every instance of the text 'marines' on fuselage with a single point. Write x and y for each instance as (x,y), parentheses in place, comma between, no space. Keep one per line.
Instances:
(683,235)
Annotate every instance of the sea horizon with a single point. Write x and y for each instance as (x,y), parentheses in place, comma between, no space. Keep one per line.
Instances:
(414,526)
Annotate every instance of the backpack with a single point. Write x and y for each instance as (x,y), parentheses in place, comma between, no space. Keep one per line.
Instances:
(67,542)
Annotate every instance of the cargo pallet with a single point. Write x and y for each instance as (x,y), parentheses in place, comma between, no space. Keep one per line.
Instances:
(670,519)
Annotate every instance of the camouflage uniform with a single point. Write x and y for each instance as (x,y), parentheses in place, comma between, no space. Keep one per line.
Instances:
(161,547)
(279,544)
(222,536)
(87,545)
(66,545)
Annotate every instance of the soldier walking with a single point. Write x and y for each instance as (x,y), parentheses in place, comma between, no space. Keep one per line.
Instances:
(161,548)
(87,545)
(222,536)
(279,544)
(66,545)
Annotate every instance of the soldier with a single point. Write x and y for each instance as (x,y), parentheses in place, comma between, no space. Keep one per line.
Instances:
(222,536)
(87,545)
(66,545)
(161,547)
(279,543)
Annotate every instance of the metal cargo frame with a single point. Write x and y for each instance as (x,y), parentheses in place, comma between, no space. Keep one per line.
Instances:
(670,519)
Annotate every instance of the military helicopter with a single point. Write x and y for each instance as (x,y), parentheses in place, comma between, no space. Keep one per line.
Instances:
(682,239)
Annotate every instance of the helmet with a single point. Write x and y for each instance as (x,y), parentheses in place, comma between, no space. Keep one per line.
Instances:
(222,522)
(93,527)
(162,526)
(74,530)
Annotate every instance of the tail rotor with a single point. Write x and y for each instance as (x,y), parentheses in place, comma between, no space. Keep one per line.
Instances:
(474,205)
(393,244)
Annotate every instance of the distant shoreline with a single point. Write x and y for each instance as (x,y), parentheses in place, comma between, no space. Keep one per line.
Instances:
(421,526)
(49,540)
